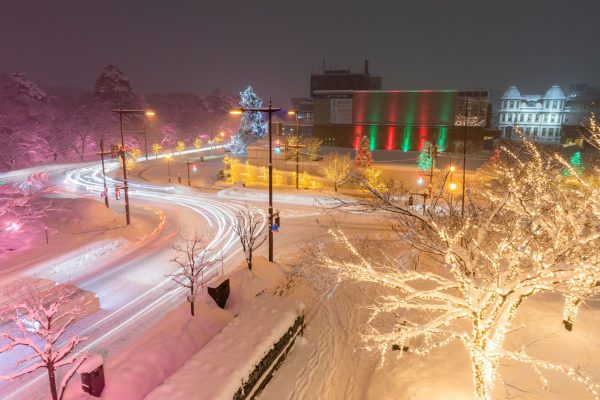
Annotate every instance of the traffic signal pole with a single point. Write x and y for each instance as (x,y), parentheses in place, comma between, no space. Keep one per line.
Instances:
(125,185)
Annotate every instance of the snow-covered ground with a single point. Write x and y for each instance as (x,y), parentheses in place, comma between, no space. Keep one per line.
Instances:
(331,361)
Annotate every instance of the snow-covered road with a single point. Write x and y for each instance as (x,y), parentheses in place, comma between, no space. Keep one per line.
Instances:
(132,283)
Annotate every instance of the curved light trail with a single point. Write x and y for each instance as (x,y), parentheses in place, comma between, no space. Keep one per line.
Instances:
(143,303)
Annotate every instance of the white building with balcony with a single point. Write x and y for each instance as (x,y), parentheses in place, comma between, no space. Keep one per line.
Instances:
(536,116)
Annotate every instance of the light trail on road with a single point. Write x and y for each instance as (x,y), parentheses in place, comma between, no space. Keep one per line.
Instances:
(145,303)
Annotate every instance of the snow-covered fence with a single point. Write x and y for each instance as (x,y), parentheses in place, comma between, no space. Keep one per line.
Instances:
(238,363)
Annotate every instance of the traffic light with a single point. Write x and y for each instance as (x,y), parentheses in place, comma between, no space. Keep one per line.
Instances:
(114,150)
(194,168)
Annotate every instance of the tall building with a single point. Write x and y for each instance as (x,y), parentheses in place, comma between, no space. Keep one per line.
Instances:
(539,117)
(344,79)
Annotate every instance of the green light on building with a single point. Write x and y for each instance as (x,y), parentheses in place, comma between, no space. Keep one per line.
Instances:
(373,137)
(406,139)
(441,139)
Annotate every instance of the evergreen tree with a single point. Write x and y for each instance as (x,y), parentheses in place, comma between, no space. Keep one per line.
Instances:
(364,158)
(252,125)
(425,159)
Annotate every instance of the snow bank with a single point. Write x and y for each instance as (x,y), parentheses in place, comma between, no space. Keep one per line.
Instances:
(217,371)
(247,284)
(84,215)
(279,196)
(160,352)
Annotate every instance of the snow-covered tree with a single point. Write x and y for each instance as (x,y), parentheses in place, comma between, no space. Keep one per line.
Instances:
(364,157)
(169,137)
(252,125)
(312,148)
(156,148)
(197,143)
(22,204)
(180,146)
(41,319)
(336,168)
(250,224)
(524,232)
(193,258)
(591,132)
(425,158)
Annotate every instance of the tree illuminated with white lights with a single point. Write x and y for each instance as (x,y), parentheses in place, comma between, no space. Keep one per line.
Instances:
(525,231)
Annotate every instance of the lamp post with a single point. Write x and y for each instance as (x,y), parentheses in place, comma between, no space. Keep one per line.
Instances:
(169,166)
(188,171)
(102,154)
(464,171)
(121,111)
(270,110)
(297,147)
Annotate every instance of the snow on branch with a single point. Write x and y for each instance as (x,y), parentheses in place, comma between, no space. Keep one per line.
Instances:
(40,320)
(527,229)
(193,258)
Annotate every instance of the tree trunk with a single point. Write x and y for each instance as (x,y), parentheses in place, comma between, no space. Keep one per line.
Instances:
(192,301)
(52,379)
(249,260)
(335,186)
(572,304)
(481,382)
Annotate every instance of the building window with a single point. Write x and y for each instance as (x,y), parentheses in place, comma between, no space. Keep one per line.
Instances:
(554,105)
(510,117)
(528,130)
(512,104)
(553,118)
(537,117)
(521,117)
(543,132)
(550,132)
(535,130)
(528,117)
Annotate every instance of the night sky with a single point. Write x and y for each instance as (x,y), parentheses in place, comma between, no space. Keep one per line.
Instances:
(196,46)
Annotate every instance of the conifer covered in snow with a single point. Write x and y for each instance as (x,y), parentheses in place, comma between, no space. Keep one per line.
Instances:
(252,125)
(524,232)
(39,320)
(363,158)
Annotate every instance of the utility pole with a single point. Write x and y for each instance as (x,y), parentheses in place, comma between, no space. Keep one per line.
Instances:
(102,154)
(269,110)
(464,171)
(121,111)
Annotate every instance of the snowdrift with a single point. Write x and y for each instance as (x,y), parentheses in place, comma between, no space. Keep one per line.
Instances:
(243,353)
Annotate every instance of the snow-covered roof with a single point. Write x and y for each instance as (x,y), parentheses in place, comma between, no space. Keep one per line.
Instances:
(511,94)
(555,93)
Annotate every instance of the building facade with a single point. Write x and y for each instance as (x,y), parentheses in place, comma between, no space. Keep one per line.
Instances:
(539,117)
(344,79)
(401,119)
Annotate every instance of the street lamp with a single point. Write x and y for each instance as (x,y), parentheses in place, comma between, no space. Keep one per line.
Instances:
(121,111)
(270,110)
(462,207)
(452,187)
(193,165)
(297,147)
(168,157)
(102,154)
